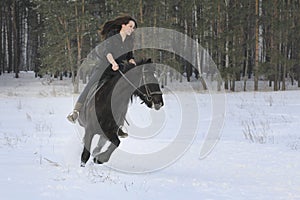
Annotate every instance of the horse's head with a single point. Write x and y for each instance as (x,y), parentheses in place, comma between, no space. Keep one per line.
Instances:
(149,91)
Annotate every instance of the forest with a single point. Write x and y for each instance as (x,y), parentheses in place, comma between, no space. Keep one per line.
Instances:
(247,39)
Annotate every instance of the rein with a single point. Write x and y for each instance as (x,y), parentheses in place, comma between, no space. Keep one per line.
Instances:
(148,92)
(131,83)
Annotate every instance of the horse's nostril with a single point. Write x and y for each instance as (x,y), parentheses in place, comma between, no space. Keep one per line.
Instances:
(157,106)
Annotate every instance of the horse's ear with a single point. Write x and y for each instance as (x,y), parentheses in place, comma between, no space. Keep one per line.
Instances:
(149,60)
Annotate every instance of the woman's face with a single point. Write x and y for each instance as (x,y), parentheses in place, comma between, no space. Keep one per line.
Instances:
(128,28)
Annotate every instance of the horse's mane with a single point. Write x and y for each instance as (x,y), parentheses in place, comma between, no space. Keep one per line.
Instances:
(124,68)
(127,66)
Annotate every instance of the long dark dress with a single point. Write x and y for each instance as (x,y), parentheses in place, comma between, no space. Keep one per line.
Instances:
(120,50)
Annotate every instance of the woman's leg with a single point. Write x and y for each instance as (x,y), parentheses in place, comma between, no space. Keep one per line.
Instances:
(72,117)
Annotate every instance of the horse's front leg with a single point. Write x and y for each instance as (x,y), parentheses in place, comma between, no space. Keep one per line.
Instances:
(104,156)
(87,141)
(101,142)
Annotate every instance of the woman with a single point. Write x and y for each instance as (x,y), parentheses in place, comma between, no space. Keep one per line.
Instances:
(118,48)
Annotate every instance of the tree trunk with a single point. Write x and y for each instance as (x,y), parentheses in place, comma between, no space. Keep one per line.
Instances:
(141,11)
(1,41)
(256,45)
(80,30)
(16,39)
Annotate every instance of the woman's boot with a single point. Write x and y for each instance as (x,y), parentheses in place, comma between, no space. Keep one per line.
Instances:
(73,116)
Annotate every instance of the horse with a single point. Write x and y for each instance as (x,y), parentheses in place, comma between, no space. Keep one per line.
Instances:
(104,113)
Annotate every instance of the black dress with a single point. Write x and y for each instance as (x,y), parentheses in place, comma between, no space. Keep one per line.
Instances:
(120,50)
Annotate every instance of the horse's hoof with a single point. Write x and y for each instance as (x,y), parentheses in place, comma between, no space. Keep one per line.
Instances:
(97,161)
(122,134)
(82,164)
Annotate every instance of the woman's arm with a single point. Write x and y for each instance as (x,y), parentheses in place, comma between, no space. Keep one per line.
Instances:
(110,45)
(112,61)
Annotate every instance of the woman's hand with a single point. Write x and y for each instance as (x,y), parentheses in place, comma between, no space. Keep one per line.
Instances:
(115,66)
(132,61)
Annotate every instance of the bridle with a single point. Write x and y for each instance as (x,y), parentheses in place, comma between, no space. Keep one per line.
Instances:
(149,93)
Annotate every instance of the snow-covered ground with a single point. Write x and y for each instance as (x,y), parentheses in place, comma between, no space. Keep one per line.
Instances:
(257,157)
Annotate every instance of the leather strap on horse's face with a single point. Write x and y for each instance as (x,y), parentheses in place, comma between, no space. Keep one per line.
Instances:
(149,93)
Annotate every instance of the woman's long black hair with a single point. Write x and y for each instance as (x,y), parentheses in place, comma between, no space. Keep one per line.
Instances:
(115,25)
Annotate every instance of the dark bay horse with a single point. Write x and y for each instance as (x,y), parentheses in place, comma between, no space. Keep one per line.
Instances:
(104,113)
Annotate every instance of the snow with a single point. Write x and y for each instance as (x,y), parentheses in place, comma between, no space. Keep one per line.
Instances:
(40,150)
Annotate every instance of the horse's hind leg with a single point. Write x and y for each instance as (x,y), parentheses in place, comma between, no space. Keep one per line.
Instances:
(87,141)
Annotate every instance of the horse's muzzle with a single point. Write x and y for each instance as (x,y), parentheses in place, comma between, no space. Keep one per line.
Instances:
(158,106)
